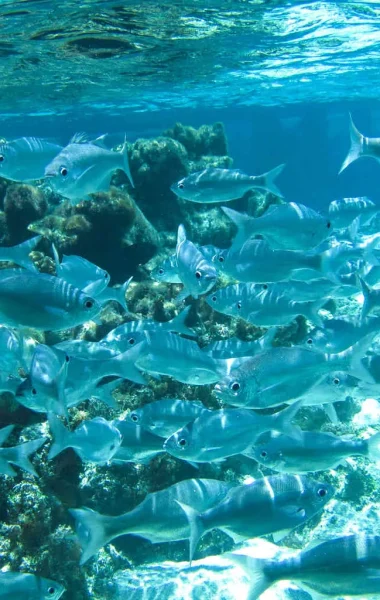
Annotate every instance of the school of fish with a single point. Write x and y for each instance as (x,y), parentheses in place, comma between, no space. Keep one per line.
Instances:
(291,261)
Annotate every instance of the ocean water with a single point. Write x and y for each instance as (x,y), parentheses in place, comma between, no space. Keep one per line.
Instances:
(251,84)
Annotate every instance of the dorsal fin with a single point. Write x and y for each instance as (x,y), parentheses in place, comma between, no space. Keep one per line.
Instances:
(79,138)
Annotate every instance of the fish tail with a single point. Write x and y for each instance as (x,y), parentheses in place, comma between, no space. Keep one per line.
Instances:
(368,299)
(331,413)
(357,146)
(56,258)
(60,436)
(126,169)
(22,453)
(177,324)
(120,293)
(255,570)
(244,224)
(311,309)
(268,180)
(125,364)
(20,254)
(90,528)
(197,528)
(283,420)
(105,393)
(373,444)
(5,433)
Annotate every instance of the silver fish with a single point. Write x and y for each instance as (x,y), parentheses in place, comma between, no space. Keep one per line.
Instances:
(221,185)
(263,306)
(95,441)
(167,271)
(25,159)
(28,586)
(114,294)
(361,146)
(217,434)
(164,417)
(343,566)
(81,273)
(157,518)
(337,335)
(344,211)
(269,505)
(42,301)
(17,455)
(310,451)
(287,226)
(82,168)
(233,347)
(197,274)
(48,377)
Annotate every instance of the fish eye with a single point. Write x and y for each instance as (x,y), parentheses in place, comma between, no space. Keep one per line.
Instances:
(182,442)
(134,418)
(238,305)
(265,286)
(181,185)
(198,274)
(263,454)
(34,391)
(63,171)
(328,225)
(51,590)
(89,303)
(1,157)
(221,259)
(131,341)
(160,271)
(322,492)
(336,381)
(214,298)
(67,358)
(235,386)
(309,341)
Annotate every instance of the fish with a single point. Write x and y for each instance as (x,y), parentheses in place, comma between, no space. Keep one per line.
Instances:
(13,351)
(197,274)
(48,377)
(17,455)
(215,435)
(42,301)
(83,380)
(19,254)
(342,566)
(15,585)
(222,185)
(269,505)
(337,335)
(264,306)
(166,416)
(85,349)
(165,353)
(82,168)
(167,271)
(287,226)
(138,445)
(268,379)
(345,211)
(131,333)
(25,159)
(157,518)
(337,386)
(371,299)
(310,451)
(361,146)
(233,347)
(115,294)
(81,273)
(95,441)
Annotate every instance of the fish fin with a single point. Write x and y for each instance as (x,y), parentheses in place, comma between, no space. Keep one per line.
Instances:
(196,527)
(255,571)
(60,436)
(99,141)
(266,340)
(106,393)
(368,299)
(241,221)
(5,433)
(127,360)
(90,529)
(22,453)
(79,138)
(282,420)
(6,468)
(193,464)
(269,178)
(126,169)
(118,295)
(374,447)
(56,258)
(280,535)
(183,295)
(357,146)
(177,324)
(352,230)
(331,413)
(311,309)
(181,236)
(20,254)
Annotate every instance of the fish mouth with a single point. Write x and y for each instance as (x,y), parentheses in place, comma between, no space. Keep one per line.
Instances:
(49,174)
(217,390)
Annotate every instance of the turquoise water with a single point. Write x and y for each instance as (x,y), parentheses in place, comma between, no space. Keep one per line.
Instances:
(251,85)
